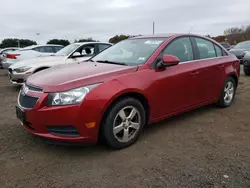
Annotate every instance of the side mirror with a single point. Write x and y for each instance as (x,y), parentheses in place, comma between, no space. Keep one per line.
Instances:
(76,54)
(167,61)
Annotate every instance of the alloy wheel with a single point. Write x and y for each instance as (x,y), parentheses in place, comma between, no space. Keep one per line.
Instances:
(229,92)
(126,124)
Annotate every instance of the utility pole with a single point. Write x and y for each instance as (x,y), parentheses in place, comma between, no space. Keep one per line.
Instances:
(153,28)
(18,43)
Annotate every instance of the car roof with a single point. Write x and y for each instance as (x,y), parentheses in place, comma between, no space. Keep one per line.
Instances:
(34,46)
(167,35)
(81,43)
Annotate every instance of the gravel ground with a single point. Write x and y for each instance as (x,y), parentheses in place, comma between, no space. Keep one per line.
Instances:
(208,147)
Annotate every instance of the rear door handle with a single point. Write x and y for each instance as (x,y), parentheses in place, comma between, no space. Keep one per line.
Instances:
(194,73)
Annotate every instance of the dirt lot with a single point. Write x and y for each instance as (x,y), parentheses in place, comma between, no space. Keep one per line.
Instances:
(209,147)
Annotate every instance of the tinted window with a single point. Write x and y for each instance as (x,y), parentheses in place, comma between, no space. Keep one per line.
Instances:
(35,49)
(57,48)
(205,48)
(180,48)
(46,49)
(103,47)
(218,51)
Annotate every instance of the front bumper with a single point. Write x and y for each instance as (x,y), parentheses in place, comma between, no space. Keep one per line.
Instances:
(18,78)
(60,123)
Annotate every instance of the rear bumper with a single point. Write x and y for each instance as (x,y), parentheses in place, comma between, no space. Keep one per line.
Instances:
(7,63)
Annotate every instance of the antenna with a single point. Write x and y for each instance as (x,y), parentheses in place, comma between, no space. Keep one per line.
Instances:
(153,28)
(191,29)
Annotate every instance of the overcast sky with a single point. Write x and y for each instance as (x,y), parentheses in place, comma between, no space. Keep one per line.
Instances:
(102,19)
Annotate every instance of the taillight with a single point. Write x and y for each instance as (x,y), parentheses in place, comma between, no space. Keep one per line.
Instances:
(12,56)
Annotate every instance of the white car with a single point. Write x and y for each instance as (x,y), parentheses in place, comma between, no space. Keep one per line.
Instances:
(4,51)
(30,52)
(72,53)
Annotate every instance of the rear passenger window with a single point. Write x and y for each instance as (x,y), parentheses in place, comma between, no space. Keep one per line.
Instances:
(180,48)
(46,49)
(218,51)
(205,48)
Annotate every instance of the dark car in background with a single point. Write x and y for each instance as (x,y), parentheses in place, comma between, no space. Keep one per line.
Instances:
(226,45)
(240,50)
(246,63)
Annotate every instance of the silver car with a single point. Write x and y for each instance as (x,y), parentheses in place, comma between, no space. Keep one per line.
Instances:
(72,53)
(3,53)
(30,52)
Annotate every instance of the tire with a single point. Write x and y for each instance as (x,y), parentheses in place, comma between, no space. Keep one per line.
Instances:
(224,101)
(247,71)
(118,116)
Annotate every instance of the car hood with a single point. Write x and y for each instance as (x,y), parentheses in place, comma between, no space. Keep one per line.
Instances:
(238,51)
(37,61)
(69,76)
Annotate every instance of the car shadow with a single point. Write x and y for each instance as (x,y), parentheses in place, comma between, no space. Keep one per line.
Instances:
(12,88)
(173,121)
(100,148)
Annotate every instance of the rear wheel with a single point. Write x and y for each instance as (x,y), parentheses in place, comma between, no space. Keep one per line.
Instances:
(123,123)
(227,93)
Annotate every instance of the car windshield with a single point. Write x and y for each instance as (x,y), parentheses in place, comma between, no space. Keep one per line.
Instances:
(243,45)
(67,50)
(130,52)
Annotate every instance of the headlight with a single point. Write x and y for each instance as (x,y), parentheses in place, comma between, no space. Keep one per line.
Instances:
(74,96)
(22,69)
(247,53)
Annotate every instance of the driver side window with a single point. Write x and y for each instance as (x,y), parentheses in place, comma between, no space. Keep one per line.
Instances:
(88,50)
(181,48)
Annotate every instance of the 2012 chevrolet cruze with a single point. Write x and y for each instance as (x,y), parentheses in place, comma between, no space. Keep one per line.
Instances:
(135,82)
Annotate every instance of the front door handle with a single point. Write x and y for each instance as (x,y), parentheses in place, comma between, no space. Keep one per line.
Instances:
(221,66)
(194,73)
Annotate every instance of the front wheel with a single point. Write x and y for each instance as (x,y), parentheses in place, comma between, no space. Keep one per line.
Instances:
(123,123)
(228,93)
(247,71)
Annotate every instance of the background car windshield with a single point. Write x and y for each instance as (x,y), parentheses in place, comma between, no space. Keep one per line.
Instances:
(243,45)
(130,51)
(67,50)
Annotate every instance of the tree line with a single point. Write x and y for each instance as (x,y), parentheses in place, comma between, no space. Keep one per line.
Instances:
(14,42)
(232,35)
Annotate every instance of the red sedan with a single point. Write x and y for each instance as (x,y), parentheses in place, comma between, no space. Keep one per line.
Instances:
(136,82)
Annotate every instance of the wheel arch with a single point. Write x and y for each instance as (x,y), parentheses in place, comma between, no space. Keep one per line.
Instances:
(133,94)
(41,68)
(234,77)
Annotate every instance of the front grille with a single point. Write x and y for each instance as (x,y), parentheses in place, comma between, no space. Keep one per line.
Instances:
(63,130)
(240,57)
(34,88)
(27,101)
(10,71)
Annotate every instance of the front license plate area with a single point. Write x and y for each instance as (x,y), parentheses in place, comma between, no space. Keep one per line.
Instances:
(21,115)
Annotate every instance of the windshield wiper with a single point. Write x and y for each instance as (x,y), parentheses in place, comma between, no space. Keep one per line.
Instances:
(110,62)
